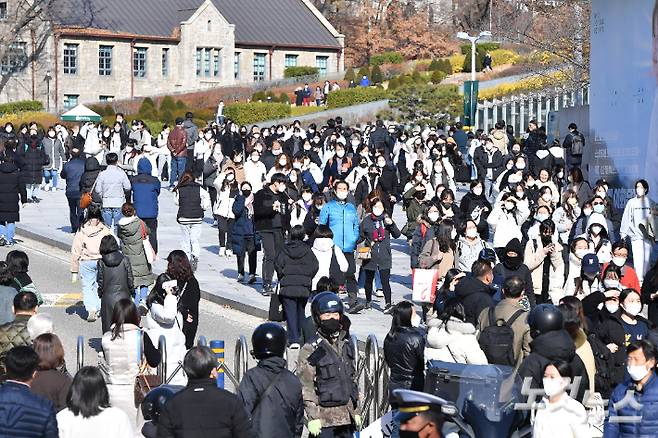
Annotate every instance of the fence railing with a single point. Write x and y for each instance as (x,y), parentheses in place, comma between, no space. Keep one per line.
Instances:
(283,82)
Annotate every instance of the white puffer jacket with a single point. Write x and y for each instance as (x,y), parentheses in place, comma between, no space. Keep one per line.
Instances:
(455,342)
(322,248)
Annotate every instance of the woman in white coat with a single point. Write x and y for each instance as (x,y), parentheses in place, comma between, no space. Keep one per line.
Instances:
(255,171)
(451,339)
(331,260)
(638,210)
(506,219)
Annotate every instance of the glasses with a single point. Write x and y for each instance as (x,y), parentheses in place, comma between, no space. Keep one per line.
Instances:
(597,203)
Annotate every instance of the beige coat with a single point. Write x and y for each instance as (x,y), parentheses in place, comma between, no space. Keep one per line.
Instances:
(87,242)
(431,257)
(534,259)
(505,309)
(584,351)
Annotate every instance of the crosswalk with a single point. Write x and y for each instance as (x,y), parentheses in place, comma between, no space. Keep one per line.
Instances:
(61,300)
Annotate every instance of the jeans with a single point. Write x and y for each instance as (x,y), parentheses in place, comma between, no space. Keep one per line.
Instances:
(176,169)
(51,174)
(76,214)
(362,279)
(294,309)
(272,244)
(386,284)
(8,230)
(152,225)
(90,297)
(32,190)
(225,230)
(189,241)
(141,292)
(111,217)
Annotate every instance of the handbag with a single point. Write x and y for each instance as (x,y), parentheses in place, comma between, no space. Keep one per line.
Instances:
(276,312)
(148,248)
(86,198)
(144,380)
(363,251)
(424,285)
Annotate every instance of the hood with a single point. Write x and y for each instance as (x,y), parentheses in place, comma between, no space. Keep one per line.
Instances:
(598,219)
(498,134)
(113,259)
(323,244)
(439,337)
(514,245)
(129,226)
(92,164)
(296,250)
(92,228)
(274,364)
(554,345)
(144,166)
(8,167)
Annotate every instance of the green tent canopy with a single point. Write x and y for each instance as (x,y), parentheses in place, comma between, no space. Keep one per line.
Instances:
(80,113)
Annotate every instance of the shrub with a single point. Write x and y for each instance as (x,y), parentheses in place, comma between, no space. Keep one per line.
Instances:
(167,104)
(423,102)
(181,105)
(108,110)
(270,95)
(457,63)
(393,83)
(355,96)
(377,77)
(258,96)
(437,76)
(479,58)
(486,47)
(417,77)
(349,75)
(435,65)
(532,83)
(304,70)
(284,98)
(386,58)
(42,119)
(248,113)
(502,56)
(147,102)
(363,71)
(167,116)
(445,66)
(155,126)
(21,106)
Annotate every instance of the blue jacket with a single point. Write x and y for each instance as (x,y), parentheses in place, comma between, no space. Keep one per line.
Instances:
(72,172)
(648,426)
(343,220)
(25,414)
(146,189)
(243,227)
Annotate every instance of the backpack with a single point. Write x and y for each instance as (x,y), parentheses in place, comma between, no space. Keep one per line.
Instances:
(497,340)
(29,288)
(602,361)
(576,144)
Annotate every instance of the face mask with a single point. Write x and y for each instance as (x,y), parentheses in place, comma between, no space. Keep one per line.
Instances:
(433,216)
(509,206)
(282,163)
(619,261)
(307,197)
(514,262)
(637,372)
(580,253)
(519,195)
(135,128)
(612,307)
(553,387)
(355,143)
(255,158)
(601,194)
(378,211)
(293,177)
(276,152)
(633,308)
(208,135)
(453,234)
(415,320)
(587,211)
(419,195)
(598,208)
(340,154)
(560,175)
(640,191)
(246,193)
(230,177)
(329,327)
(596,230)
(282,188)
(541,217)
(363,165)
(520,166)
(8,129)
(611,284)
(381,164)
(438,168)
(477,191)
(129,148)
(307,162)
(341,195)
(547,197)
(509,166)
(472,233)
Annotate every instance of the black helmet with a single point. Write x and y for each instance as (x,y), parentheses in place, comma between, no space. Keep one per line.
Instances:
(269,339)
(156,399)
(545,318)
(325,302)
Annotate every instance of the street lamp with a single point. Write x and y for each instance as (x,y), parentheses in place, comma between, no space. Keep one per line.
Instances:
(473,40)
(48,78)
(470,97)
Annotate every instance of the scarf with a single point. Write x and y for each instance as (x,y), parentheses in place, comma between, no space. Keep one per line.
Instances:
(379,233)
(249,204)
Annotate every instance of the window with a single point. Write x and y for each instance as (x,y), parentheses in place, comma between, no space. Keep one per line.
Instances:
(105,60)
(70,100)
(105,98)
(199,54)
(3,10)
(70,59)
(15,59)
(215,63)
(236,65)
(165,63)
(209,26)
(139,62)
(321,63)
(259,66)
(206,62)
(290,61)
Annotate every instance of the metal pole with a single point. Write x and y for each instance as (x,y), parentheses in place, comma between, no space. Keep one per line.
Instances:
(217,347)
(81,352)
(473,40)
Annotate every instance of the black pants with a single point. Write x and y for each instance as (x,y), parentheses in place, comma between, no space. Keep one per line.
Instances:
(385,275)
(294,309)
(350,280)
(76,214)
(212,191)
(346,431)
(225,227)
(250,251)
(152,225)
(272,244)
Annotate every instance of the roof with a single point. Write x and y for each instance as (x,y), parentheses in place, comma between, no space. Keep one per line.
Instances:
(257,22)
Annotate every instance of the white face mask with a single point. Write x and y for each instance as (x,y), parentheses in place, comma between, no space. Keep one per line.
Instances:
(541,217)
(612,307)
(560,175)
(307,197)
(587,211)
(255,159)
(637,372)
(472,233)
(554,387)
(433,216)
(340,154)
(282,188)
(276,152)
(520,166)
(415,320)
(601,194)
(453,234)
(377,211)
(477,191)
(611,284)
(633,308)
(619,261)
(293,177)
(283,163)
(509,206)
(596,229)
(640,191)
(230,177)
(598,208)
(547,197)
(341,195)
(580,253)
(381,163)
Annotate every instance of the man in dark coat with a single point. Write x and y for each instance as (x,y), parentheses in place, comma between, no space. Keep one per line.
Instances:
(88,178)
(15,333)
(512,265)
(380,139)
(72,172)
(475,292)
(146,189)
(24,413)
(34,157)
(202,409)
(12,191)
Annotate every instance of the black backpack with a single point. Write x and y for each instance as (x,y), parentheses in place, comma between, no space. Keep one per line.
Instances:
(576,144)
(603,361)
(497,340)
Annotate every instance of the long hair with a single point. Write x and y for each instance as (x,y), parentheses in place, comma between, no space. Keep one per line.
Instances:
(453,309)
(88,394)
(178,266)
(443,231)
(187,178)
(402,312)
(124,312)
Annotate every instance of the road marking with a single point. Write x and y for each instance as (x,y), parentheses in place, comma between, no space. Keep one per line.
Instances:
(61,300)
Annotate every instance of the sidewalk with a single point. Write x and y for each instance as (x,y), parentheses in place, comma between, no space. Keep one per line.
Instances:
(48,222)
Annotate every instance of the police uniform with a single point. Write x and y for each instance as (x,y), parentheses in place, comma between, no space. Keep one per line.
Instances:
(412,403)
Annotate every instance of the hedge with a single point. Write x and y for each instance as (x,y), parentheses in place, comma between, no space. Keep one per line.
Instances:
(248,113)
(42,119)
(457,63)
(355,96)
(386,58)
(487,47)
(533,83)
(502,56)
(479,58)
(304,70)
(21,106)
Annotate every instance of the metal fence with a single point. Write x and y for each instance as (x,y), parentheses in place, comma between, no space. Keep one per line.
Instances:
(284,82)
(519,109)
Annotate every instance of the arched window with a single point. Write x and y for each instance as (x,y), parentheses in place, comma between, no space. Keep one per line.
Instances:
(209,25)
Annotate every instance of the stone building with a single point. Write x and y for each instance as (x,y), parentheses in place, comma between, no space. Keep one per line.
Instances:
(101,50)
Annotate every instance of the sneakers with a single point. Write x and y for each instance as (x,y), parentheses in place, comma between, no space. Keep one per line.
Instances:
(92,315)
(240,278)
(355,308)
(229,253)
(252,279)
(368,305)
(222,252)
(294,346)
(35,199)
(388,309)
(3,241)
(267,290)
(379,293)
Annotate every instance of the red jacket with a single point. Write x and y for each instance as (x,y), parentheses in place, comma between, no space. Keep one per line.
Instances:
(628,277)
(177,142)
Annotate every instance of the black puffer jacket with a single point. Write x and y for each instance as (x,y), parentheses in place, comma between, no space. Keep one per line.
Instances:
(404,355)
(475,296)
(380,251)
(115,281)
(35,158)
(265,218)
(12,190)
(280,412)
(550,346)
(88,178)
(296,265)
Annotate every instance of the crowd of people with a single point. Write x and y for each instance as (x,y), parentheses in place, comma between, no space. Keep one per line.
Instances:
(534,267)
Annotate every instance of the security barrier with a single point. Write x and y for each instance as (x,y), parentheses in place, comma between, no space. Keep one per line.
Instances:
(80,352)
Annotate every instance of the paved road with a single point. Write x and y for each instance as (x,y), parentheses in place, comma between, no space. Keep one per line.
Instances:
(49,269)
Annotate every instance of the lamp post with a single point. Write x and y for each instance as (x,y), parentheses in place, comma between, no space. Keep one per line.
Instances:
(473,40)
(48,78)
(470,105)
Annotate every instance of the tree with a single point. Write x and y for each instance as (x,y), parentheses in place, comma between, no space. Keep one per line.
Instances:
(349,75)
(416,103)
(377,76)
(363,71)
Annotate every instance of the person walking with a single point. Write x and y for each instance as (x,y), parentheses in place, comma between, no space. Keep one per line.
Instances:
(145,193)
(177,145)
(12,195)
(54,150)
(246,241)
(85,253)
(132,232)
(180,270)
(272,395)
(404,349)
(34,159)
(114,277)
(192,201)
(112,185)
(638,209)
(72,172)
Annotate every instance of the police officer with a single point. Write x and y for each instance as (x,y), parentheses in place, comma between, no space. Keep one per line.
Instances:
(153,405)
(271,394)
(419,413)
(326,370)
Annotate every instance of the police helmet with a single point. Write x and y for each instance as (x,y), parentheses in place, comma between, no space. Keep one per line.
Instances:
(325,302)
(269,339)
(156,399)
(545,318)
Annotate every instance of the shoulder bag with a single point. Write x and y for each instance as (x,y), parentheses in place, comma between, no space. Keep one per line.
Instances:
(145,380)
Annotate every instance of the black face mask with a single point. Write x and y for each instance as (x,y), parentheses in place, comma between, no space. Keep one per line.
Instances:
(363,165)
(446,205)
(546,240)
(513,263)
(420,195)
(329,327)
(246,193)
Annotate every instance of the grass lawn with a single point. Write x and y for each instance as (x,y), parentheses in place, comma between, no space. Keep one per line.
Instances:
(296,111)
